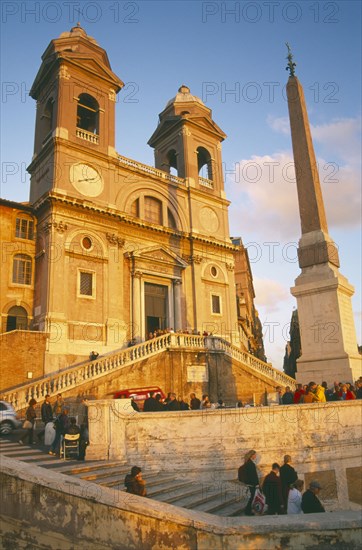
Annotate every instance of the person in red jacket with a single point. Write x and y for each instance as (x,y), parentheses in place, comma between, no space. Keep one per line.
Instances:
(298,393)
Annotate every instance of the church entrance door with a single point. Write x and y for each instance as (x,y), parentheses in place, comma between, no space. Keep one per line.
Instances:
(156,301)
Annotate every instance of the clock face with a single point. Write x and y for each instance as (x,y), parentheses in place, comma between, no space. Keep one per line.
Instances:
(209,219)
(86,179)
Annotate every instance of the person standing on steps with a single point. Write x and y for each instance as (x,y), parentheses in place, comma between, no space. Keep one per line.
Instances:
(61,425)
(310,501)
(287,476)
(250,478)
(30,417)
(46,415)
(58,406)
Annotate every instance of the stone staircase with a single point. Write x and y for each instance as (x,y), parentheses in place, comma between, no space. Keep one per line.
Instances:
(223,497)
(76,375)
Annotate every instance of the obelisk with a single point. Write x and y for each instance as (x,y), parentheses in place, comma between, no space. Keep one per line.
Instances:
(327,330)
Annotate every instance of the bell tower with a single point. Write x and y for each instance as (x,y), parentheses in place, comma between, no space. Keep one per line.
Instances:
(189,141)
(75,90)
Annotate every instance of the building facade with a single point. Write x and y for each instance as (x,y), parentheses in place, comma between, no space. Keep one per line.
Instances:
(120,249)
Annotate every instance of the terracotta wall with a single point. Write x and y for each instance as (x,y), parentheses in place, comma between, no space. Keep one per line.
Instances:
(22,351)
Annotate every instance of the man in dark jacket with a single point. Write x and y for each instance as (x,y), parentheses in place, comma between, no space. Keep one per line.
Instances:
(310,501)
(61,425)
(150,403)
(288,397)
(250,478)
(272,489)
(287,476)
(194,402)
(46,415)
(134,482)
(173,404)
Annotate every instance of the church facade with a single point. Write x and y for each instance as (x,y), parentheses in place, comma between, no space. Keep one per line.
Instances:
(108,250)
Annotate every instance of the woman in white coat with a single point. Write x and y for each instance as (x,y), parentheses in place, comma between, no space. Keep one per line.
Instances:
(295,497)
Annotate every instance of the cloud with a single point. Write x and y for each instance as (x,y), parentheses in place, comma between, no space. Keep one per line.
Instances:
(264,197)
(271,294)
(340,137)
(263,189)
(280,125)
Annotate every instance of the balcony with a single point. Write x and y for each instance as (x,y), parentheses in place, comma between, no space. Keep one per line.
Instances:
(87,136)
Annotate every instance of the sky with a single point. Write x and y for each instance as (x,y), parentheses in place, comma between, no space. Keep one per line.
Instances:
(233,56)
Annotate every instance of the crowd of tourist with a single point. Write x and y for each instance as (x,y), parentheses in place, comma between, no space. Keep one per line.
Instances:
(171,402)
(57,424)
(315,393)
(160,332)
(309,393)
(282,490)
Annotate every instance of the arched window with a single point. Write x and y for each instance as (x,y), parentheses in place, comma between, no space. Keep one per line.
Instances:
(48,116)
(24,228)
(88,114)
(171,219)
(204,163)
(17,319)
(22,269)
(153,210)
(135,211)
(172,162)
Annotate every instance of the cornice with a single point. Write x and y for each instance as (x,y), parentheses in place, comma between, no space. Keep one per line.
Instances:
(124,218)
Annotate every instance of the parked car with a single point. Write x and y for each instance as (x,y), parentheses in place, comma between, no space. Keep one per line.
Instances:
(9,419)
(139,394)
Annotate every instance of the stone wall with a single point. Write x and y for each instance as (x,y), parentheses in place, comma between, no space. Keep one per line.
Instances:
(50,512)
(21,351)
(324,441)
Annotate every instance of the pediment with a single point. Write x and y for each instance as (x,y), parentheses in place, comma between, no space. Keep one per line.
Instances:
(83,61)
(160,255)
(87,63)
(207,124)
(173,123)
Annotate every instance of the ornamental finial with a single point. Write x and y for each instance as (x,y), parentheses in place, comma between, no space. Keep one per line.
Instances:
(291,65)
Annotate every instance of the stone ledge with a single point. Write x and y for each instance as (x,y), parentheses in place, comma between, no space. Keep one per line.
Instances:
(77,490)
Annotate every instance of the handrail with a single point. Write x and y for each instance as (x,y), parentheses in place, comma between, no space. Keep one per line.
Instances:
(255,363)
(206,182)
(91,370)
(145,168)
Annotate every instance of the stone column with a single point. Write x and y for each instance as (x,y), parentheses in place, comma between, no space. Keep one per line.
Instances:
(328,337)
(136,305)
(177,304)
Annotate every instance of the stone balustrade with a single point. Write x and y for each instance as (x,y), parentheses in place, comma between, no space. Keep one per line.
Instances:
(146,169)
(253,362)
(87,136)
(206,182)
(92,370)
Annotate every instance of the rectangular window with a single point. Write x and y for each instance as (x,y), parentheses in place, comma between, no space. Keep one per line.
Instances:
(216,304)
(85,283)
(22,269)
(24,229)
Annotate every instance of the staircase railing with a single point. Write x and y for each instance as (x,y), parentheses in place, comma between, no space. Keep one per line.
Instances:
(91,370)
(254,363)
